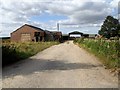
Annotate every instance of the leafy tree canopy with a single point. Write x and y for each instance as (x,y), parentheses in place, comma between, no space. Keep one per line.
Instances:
(110,27)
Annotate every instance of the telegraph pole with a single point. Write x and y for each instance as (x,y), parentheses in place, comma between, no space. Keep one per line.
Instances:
(58,26)
(118,11)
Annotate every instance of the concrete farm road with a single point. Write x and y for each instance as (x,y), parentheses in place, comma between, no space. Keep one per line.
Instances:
(60,66)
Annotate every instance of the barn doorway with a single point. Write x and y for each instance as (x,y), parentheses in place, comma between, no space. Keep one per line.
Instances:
(37,36)
(75,34)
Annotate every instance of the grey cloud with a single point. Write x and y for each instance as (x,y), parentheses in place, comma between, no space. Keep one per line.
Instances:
(60,9)
(29,9)
(95,6)
(87,13)
(20,18)
(89,17)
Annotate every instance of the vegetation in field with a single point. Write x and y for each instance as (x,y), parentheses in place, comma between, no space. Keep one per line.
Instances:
(12,52)
(107,50)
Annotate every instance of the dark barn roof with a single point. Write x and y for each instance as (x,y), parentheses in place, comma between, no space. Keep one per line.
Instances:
(75,32)
(29,26)
(34,27)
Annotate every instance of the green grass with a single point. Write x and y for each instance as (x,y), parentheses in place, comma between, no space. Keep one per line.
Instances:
(13,52)
(107,50)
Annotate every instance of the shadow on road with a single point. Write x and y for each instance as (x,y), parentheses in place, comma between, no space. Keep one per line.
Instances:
(36,65)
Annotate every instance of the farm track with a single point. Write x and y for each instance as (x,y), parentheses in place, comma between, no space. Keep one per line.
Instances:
(60,66)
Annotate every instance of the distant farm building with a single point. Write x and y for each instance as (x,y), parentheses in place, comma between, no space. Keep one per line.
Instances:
(75,34)
(57,35)
(65,37)
(92,36)
(48,36)
(32,33)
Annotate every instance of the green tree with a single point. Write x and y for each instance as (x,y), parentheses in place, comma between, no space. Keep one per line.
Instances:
(118,29)
(109,27)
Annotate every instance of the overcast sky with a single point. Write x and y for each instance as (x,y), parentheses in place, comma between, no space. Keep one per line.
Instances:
(73,15)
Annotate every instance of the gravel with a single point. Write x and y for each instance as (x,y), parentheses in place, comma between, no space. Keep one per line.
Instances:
(60,66)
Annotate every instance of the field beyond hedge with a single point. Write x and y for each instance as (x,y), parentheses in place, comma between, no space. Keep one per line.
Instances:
(13,52)
(107,50)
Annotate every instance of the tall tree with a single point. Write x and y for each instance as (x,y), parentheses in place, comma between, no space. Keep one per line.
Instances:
(118,29)
(109,27)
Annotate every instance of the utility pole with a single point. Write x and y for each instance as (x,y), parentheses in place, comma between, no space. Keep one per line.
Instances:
(58,26)
(118,11)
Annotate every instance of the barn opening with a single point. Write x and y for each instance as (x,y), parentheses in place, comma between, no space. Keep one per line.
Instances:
(75,34)
(37,36)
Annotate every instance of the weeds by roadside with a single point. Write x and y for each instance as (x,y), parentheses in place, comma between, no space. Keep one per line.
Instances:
(107,50)
(13,52)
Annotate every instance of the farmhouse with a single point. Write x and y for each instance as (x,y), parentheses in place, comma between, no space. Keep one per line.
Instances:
(32,33)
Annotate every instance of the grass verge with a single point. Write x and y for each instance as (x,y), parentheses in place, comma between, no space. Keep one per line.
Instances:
(13,52)
(107,50)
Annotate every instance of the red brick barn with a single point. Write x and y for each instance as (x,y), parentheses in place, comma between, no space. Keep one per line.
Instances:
(28,33)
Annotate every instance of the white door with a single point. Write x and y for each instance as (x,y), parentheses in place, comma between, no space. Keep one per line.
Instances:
(25,37)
